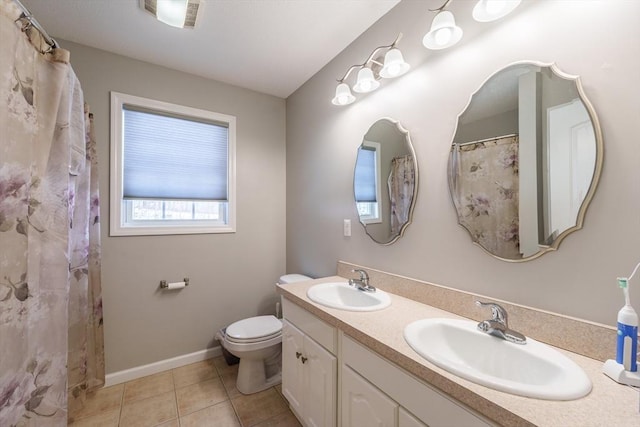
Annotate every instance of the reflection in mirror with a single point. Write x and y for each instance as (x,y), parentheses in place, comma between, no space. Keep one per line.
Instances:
(525,161)
(385,181)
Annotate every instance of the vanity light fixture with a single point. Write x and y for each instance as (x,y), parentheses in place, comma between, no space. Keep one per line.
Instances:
(394,64)
(343,95)
(491,10)
(445,33)
(371,71)
(366,82)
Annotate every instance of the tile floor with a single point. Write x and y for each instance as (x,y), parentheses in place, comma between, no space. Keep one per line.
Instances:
(198,395)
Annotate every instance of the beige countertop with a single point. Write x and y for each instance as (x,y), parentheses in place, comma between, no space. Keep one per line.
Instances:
(609,404)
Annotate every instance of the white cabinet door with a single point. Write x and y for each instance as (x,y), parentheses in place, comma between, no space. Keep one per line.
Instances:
(309,375)
(405,419)
(292,368)
(363,405)
(320,385)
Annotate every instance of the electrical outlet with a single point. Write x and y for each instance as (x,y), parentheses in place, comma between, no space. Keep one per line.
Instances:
(347,227)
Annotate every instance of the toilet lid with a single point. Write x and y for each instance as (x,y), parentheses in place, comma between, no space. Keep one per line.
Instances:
(254,327)
(292,278)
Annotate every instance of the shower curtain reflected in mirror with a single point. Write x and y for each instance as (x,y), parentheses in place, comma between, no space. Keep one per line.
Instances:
(486,193)
(51,334)
(401,184)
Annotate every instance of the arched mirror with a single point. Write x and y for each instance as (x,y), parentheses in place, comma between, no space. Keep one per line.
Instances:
(525,161)
(385,181)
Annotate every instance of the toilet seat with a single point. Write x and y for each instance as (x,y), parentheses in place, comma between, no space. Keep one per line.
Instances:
(236,347)
(254,329)
(253,340)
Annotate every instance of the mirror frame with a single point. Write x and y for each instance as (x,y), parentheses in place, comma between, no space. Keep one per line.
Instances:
(407,137)
(597,167)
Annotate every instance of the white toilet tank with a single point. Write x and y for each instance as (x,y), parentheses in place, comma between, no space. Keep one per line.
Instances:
(292,278)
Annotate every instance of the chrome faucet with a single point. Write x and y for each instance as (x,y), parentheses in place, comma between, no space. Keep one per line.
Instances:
(498,326)
(361,284)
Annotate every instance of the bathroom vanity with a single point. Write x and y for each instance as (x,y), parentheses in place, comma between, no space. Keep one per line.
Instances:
(345,368)
(372,390)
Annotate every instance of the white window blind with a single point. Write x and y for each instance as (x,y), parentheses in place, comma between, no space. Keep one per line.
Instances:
(365,175)
(173,158)
(172,169)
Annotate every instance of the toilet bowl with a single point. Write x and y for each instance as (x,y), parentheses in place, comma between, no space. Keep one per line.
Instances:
(257,342)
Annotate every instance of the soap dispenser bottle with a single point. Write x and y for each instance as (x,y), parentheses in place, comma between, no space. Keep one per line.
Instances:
(627,342)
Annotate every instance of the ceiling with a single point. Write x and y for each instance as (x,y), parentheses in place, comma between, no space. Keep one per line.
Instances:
(270,46)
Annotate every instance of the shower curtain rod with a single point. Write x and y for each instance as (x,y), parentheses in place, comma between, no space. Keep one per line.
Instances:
(34,22)
(460,144)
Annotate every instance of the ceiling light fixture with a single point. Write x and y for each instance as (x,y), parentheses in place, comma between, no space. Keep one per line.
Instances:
(172,12)
(370,72)
(176,13)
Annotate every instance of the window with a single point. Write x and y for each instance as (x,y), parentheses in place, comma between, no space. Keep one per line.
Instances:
(367,183)
(172,168)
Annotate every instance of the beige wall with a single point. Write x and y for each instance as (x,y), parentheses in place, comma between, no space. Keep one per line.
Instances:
(232,275)
(599,42)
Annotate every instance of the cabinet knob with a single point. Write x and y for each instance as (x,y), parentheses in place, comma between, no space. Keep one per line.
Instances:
(298,354)
(304,359)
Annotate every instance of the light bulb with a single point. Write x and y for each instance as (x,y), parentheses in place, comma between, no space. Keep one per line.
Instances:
(394,69)
(442,36)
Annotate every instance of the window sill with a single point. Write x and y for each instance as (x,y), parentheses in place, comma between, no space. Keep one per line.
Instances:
(169,230)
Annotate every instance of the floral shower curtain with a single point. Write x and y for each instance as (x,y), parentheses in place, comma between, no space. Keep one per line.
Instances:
(51,345)
(486,187)
(401,184)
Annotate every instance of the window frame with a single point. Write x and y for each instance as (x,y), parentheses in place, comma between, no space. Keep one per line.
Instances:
(118,208)
(376,216)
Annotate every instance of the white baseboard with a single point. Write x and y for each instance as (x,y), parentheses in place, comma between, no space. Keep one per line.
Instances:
(162,365)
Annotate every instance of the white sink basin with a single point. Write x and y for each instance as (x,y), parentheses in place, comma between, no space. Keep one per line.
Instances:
(344,297)
(532,370)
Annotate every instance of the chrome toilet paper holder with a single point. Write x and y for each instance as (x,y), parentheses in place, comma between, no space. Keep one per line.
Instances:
(164,284)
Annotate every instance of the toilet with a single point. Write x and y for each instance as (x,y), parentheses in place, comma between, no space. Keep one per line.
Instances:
(257,342)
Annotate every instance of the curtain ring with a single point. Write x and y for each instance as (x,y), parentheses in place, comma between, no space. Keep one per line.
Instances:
(26,27)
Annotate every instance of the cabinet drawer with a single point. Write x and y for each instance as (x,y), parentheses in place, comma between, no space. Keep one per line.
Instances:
(320,331)
(429,405)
